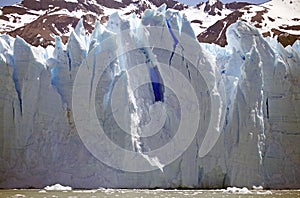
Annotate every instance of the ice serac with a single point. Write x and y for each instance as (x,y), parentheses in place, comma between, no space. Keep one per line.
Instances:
(245,127)
(131,78)
(263,121)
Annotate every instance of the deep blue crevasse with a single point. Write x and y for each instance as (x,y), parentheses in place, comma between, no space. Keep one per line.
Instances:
(174,39)
(157,84)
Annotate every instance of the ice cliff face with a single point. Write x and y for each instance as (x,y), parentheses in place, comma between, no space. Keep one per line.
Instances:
(141,104)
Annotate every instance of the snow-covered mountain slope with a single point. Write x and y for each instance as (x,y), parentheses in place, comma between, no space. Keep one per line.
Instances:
(39,21)
(280,18)
(83,114)
(206,14)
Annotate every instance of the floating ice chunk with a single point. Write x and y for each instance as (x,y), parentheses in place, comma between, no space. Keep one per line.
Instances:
(237,190)
(19,195)
(42,191)
(268,192)
(58,187)
(257,187)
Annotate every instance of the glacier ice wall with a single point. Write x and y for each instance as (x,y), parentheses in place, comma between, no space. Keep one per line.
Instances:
(262,122)
(238,108)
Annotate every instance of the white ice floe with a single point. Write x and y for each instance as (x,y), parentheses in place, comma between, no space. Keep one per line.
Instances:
(268,192)
(18,195)
(237,190)
(257,187)
(58,187)
(42,191)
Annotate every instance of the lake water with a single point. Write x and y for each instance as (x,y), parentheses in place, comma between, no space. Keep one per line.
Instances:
(147,194)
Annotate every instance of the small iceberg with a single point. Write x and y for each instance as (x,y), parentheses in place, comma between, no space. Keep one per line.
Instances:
(237,190)
(58,187)
(257,187)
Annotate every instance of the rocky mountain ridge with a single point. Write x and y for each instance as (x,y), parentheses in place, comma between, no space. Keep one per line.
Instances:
(39,21)
(274,19)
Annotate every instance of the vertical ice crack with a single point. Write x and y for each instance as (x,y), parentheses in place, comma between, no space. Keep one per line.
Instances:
(174,39)
(92,78)
(267,107)
(18,90)
(69,62)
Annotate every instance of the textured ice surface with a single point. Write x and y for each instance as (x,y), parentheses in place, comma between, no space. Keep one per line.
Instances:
(248,100)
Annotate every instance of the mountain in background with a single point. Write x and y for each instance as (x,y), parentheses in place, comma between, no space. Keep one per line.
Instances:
(39,21)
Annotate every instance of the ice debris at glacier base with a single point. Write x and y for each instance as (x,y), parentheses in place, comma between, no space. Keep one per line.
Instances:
(237,190)
(258,119)
(58,187)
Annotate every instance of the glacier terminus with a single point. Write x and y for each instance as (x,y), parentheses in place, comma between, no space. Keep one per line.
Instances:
(140,103)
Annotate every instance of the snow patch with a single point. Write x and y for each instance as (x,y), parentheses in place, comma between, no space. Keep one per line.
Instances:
(212,2)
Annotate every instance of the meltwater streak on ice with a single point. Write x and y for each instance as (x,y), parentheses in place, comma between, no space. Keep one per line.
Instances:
(261,125)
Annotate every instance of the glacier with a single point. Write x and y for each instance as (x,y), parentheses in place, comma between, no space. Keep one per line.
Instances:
(140,103)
